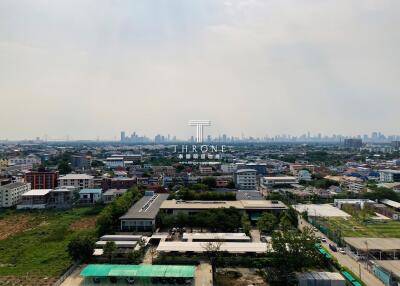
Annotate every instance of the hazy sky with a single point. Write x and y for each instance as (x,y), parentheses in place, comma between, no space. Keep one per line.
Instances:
(91,68)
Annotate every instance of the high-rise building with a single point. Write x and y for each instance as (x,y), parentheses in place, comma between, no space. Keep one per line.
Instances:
(352,143)
(122,136)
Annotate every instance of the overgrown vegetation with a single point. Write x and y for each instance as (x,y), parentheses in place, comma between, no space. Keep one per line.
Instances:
(40,247)
(109,216)
(291,251)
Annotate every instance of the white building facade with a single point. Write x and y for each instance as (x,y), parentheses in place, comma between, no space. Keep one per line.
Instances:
(10,194)
(78,181)
(28,160)
(246,179)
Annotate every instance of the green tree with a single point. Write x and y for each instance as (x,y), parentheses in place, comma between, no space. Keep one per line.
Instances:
(211,182)
(212,250)
(109,216)
(285,223)
(294,218)
(135,257)
(267,223)
(109,249)
(292,251)
(246,224)
(64,168)
(81,246)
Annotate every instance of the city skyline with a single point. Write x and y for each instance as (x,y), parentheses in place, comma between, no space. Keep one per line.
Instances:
(127,137)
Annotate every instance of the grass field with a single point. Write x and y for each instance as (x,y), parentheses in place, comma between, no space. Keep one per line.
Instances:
(353,228)
(34,243)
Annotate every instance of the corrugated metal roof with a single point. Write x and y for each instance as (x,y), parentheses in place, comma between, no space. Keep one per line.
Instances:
(107,270)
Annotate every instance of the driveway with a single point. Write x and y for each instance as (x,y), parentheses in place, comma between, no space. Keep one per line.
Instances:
(255,235)
(203,275)
(74,279)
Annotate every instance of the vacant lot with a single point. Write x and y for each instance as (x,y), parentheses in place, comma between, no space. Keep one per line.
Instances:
(33,244)
(11,225)
(238,277)
(353,228)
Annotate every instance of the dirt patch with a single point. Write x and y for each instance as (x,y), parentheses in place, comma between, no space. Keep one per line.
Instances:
(84,223)
(239,277)
(13,225)
(29,280)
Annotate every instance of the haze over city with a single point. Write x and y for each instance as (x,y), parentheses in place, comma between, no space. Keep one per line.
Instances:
(89,69)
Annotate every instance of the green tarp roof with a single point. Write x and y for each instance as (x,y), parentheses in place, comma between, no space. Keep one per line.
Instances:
(107,270)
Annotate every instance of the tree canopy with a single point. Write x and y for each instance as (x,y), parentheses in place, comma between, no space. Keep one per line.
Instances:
(267,223)
(292,251)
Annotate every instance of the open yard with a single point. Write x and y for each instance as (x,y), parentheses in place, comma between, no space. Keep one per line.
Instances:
(353,228)
(35,243)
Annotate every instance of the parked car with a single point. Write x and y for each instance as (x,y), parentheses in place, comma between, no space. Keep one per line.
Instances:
(341,250)
(323,239)
(332,247)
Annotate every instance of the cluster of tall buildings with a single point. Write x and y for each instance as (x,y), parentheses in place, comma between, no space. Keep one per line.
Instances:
(374,137)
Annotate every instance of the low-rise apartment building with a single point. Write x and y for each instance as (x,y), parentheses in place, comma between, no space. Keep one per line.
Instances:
(35,199)
(246,179)
(279,181)
(28,160)
(10,194)
(42,179)
(79,181)
(389,176)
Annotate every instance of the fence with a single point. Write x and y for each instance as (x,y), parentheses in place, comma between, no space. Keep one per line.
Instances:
(330,234)
(67,273)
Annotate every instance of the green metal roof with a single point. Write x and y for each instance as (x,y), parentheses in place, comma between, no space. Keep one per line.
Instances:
(143,270)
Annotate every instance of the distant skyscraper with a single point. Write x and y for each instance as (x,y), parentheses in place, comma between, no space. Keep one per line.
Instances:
(122,136)
(353,143)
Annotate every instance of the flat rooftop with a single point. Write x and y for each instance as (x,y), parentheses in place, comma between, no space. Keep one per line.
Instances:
(216,236)
(112,192)
(323,210)
(90,191)
(374,244)
(199,247)
(13,186)
(391,203)
(249,195)
(392,266)
(143,270)
(118,243)
(39,192)
(146,208)
(121,237)
(76,177)
(243,204)
(286,178)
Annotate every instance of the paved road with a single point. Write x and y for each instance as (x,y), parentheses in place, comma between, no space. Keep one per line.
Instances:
(74,279)
(346,260)
(255,235)
(203,275)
